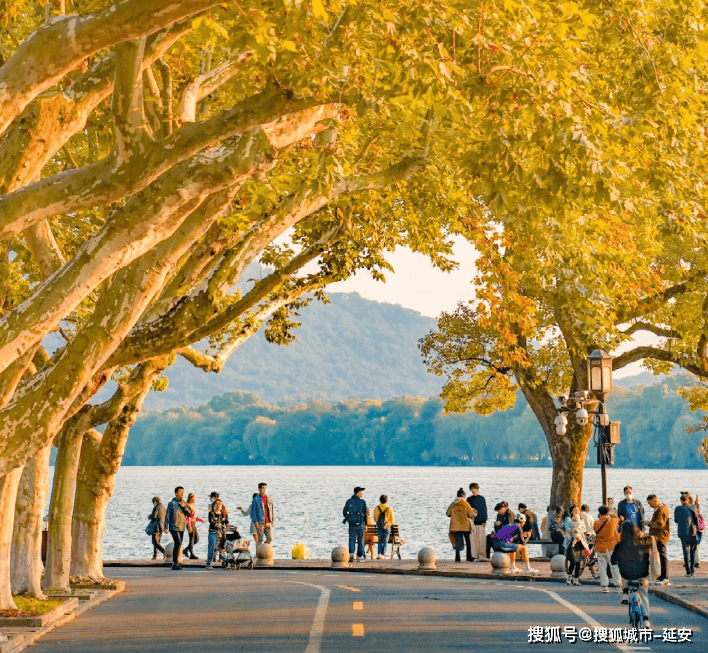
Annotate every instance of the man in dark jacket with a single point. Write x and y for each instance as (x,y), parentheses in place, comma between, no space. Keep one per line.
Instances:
(355,515)
(478,536)
(175,520)
(630,509)
(687,519)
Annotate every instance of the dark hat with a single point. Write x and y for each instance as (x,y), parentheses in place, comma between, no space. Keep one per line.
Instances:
(359,489)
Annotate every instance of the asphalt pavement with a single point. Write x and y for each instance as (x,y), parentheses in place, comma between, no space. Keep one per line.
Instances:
(270,610)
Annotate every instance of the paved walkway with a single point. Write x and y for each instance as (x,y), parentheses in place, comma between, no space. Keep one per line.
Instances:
(690,593)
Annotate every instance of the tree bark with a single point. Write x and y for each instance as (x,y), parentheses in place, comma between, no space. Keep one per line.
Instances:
(55,49)
(56,573)
(26,562)
(96,481)
(8,494)
(568,451)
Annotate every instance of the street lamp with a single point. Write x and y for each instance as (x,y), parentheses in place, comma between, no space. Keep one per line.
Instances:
(600,372)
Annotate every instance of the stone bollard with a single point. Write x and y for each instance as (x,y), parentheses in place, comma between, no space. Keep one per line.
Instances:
(169,548)
(426,559)
(558,566)
(500,563)
(340,557)
(264,555)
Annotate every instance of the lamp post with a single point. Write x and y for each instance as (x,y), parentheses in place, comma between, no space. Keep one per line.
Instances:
(606,433)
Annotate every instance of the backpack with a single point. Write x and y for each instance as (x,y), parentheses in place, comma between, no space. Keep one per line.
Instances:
(381,521)
(701,523)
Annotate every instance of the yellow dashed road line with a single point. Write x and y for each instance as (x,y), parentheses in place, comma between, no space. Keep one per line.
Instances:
(351,589)
(358,605)
(357,630)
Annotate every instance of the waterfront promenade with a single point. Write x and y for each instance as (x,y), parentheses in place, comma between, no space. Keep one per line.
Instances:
(377,605)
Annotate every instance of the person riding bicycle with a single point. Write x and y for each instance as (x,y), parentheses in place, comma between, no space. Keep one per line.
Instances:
(631,555)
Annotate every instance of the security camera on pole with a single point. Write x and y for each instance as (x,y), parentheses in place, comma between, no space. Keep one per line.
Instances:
(606,433)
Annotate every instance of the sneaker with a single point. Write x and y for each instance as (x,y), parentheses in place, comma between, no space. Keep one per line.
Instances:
(530,570)
(696,564)
(209,567)
(667,583)
(647,623)
(568,580)
(606,590)
(576,581)
(618,590)
(193,557)
(361,559)
(176,567)
(514,569)
(625,601)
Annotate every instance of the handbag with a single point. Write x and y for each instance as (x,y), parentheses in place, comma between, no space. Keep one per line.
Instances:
(654,560)
(151,528)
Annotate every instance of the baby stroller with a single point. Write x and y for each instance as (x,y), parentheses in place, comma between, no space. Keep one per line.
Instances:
(233,550)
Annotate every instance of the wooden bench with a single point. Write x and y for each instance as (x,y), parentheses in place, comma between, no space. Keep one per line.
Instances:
(371,537)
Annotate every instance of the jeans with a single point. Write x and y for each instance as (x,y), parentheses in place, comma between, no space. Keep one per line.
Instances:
(177,539)
(689,556)
(468,545)
(356,539)
(603,560)
(211,548)
(384,532)
(156,546)
(459,543)
(663,559)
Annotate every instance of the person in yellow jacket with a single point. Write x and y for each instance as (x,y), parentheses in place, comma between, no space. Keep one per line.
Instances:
(383,516)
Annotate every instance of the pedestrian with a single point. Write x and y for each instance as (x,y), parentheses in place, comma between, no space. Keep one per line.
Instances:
(157,524)
(478,534)
(631,555)
(383,516)
(606,538)
(576,547)
(660,529)
(355,516)
(460,513)
(192,531)
(510,539)
(630,509)
(217,524)
(175,520)
(504,517)
(546,548)
(573,521)
(262,514)
(585,515)
(531,523)
(611,506)
(701,527)
(556,529)
(687,519)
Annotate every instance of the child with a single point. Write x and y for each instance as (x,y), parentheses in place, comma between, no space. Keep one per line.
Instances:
(370,538)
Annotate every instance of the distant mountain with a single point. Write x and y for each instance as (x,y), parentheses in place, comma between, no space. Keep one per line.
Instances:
(643,379)
(351,347)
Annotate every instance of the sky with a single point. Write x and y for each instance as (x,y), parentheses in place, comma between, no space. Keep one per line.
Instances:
(417,285)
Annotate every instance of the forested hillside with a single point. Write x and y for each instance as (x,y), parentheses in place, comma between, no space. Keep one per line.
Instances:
(351,347)
(238,428)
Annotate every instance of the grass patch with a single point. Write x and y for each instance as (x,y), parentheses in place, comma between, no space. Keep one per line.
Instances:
(28,606)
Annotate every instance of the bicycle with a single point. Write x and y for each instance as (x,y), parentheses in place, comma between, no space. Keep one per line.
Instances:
(587,560)
(636,606)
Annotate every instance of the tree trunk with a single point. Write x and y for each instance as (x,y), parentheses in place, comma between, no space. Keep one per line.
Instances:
(101,458)
(56,574)
(567,451)
(88,523)
(8,494)
(26,562)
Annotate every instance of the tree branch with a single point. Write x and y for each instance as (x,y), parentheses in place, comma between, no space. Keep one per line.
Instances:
(70,39)
(651,328)
(641,353)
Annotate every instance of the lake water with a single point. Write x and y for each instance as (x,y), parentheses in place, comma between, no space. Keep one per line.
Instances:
(308,501)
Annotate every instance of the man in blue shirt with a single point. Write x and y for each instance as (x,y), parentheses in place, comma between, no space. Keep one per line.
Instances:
(355,515)
(630,509)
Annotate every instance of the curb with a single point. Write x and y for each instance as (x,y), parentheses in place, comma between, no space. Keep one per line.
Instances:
(20,641)
(673,598)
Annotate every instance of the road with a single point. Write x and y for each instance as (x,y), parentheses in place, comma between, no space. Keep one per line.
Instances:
(197,611)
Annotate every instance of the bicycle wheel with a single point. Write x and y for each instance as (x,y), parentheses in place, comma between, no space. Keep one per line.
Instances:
(635,613)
